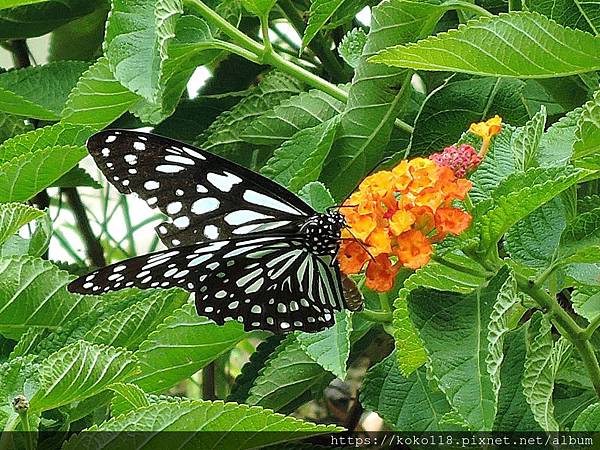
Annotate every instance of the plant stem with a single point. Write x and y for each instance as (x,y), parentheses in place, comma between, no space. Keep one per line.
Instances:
(566,326)
(377,316)
(274,59)
(593,326)
(384,302)
(264,28)
(92,244)
(466,6)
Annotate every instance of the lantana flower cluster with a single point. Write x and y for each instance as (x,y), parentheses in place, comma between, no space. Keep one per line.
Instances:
(396,215)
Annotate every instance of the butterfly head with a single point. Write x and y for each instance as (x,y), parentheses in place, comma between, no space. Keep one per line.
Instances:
(323,231)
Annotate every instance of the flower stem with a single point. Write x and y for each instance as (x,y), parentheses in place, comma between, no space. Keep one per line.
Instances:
(467,6)
(384,301)
(376,316)
(593,326)
(566,326)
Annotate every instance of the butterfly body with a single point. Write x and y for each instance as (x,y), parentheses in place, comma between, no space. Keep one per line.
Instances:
(247,248)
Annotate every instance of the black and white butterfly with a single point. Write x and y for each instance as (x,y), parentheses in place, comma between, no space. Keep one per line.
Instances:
(249,249)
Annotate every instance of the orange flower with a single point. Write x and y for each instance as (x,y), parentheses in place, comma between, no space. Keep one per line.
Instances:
(425,219)
(352,257)
(378,183)
(413,250)
(362,226)
(379,242)
(381,274)
(452,220)
(401,221)
(486,130)
(424,173)
(403,176)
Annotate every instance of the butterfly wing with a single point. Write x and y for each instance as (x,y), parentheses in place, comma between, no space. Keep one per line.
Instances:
(205,196)
(269,283)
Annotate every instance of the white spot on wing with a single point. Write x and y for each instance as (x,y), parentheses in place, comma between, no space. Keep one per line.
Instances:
(174,207)
(169,168)
(110,139)
(179,159)
(244,215)
(211,232)
(139,146)
(194,153)
(223,182)
(151,185)
(105,152)
(257,198)
(205,205)
(131,159)
(182,222)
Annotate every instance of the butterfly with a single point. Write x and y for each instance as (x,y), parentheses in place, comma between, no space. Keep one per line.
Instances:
(249,249)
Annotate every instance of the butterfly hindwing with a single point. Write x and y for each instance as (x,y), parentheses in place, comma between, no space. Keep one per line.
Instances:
(268,283)
(206,196)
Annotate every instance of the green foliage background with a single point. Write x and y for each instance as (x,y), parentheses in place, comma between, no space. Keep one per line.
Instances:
(497,332)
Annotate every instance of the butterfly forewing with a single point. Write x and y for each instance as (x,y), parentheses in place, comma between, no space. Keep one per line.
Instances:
(268,283)
(206,197)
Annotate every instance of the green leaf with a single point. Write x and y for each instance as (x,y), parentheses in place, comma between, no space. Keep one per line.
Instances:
(497,328)
(519,195)
(41,91)
(527,140)
(306,110)
(240,426)
(580,241)
(331,347)
(127,397)
(259,8)
(79,371)
(77,177)
(136,42)
(180,346)
(541,366)
(224,135)
(393,396)
(317,196)
(533,240)
(32,20)
(129,327)
(19,377)
(352,45)
(245,380)
(586,302)
(13,216)
(449,110)
(300,160)
(556,144)
(24,176)
(586,149)
(288,375)
(376,95)
(570,13)
(510,45)
(97,99)
(55,135)
(513,413)
(11,125)
(4,4)
(320,12)
(454,331)
(35,245)
(409,347)
(33,294)
(588,420)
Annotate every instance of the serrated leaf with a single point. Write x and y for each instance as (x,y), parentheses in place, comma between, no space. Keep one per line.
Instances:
(250,370)
(41,138)
(449,110)
(37,19)
(541,366)
(588,420)
(556,144)
(77,177)
(35,245)
(136,42)
(182,345)
(586,149)
(80,371)
(98,98)
(33,294)
(317,196)
(376,95)
(519,195)
(580,241)
(352,45)
(260,427)
(24,176)
(533,240)
(393,396)
(306,110)
(11,125)
(409,347)
(320,12)
(513,413)
(127,397)
(19,377)
(509,45)
(497,328)
(223,136)
(331,347)
(259,8)
(586,301)
(41,91)
(527,140)
(300,160)
(13,216)
(570,13)
(454,331)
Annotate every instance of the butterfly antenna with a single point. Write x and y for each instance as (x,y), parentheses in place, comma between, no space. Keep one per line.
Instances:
(364,247)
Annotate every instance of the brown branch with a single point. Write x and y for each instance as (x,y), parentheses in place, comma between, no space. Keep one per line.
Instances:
(208,382)
(92,244)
